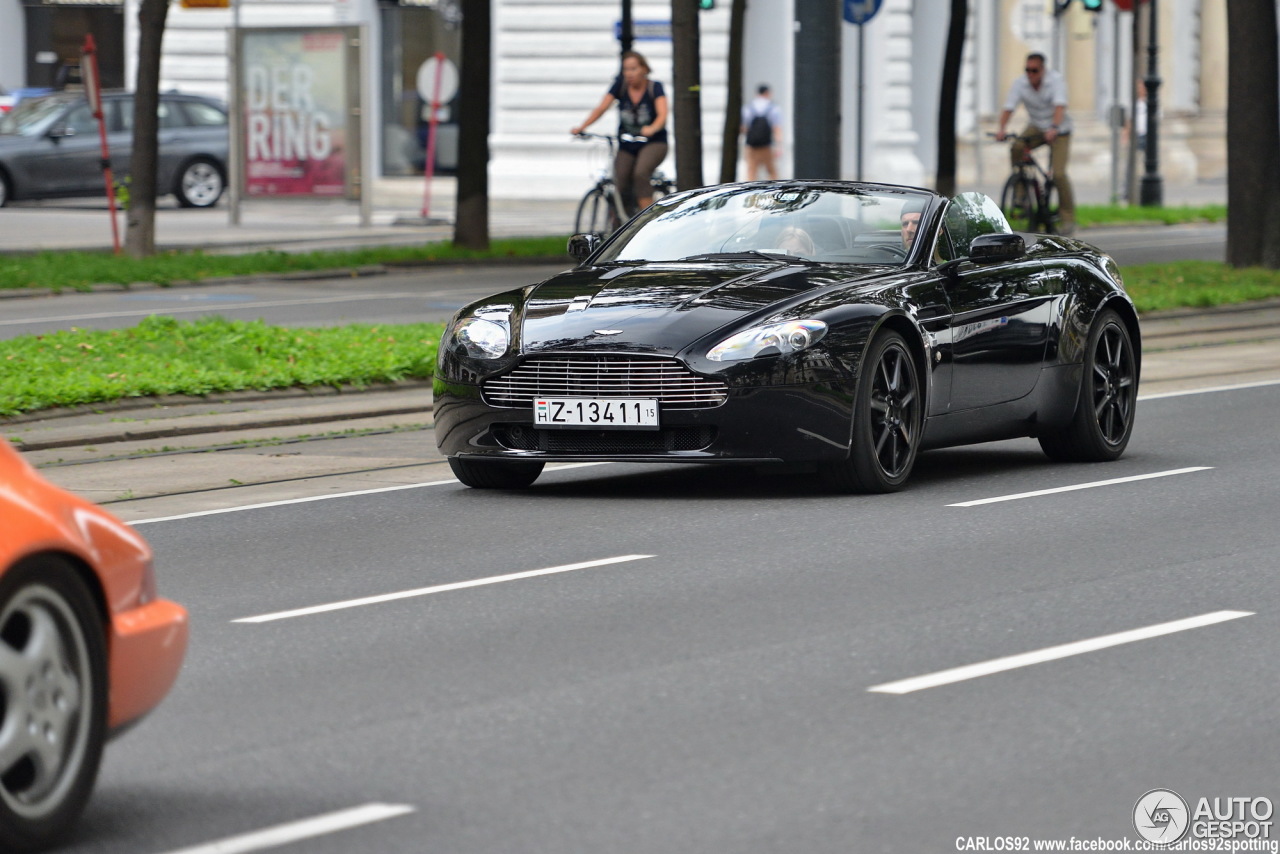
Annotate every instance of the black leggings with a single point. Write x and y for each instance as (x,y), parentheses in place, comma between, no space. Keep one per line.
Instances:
(633,169)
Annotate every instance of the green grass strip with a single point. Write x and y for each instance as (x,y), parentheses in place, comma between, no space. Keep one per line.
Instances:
(165,356)
(1197,284)
(80,270)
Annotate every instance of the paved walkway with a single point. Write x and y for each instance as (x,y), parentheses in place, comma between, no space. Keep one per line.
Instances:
(306,225)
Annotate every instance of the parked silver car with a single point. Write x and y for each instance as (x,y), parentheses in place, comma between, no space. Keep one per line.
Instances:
(50,148)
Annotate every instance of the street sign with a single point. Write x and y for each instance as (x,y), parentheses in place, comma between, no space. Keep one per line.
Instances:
(860,11)
(437,80)
(645,31)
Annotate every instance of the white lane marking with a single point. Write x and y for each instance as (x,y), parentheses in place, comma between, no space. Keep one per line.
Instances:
(439,588)
(285,501)
(1209,390)
(1052,653)
(1037,493)
(210,307)
(284,834)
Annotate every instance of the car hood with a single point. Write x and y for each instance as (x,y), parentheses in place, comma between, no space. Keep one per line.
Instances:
(664,307)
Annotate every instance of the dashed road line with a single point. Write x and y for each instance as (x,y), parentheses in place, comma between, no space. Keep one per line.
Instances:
(1057,489)
(1052,653)
(294,831)
(439,588)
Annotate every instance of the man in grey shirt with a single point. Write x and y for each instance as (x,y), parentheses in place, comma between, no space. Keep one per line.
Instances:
(1044,94)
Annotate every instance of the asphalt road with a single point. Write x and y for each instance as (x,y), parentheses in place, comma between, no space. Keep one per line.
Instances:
(719,686)
(433,294)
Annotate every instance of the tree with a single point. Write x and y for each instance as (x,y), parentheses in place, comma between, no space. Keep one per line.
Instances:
(471,219)
(1253,149)
(733,103)
(688,95)
(946,180)
(140,230)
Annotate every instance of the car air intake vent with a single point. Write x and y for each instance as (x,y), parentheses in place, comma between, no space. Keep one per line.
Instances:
(523,437)
(605,375)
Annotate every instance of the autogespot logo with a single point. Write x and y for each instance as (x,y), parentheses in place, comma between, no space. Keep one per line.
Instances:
(1161,815)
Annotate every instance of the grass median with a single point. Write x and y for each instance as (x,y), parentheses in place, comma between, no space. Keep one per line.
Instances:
(163,356)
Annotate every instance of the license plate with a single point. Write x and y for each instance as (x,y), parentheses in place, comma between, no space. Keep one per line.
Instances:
(595,412)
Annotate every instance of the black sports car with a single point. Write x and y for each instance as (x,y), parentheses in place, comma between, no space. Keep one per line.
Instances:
(848,325)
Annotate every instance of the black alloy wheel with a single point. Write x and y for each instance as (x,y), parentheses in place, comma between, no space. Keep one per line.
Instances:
(887,421)
(1108,402)
(53,702)
(495,474)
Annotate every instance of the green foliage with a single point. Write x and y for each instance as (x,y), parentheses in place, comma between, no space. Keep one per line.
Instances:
(166,356)
(1197,284)
(79,270)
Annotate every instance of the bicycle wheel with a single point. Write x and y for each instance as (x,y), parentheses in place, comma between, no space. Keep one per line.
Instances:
(1049,213)
(595,213)
(1018,202)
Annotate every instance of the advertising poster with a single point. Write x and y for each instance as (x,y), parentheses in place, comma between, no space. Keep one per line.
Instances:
(298,134)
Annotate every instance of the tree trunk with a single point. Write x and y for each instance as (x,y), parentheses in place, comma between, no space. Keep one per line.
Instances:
(471,221)
(946,180)
(733,104)
(688,93)
(1253,114)
(140,229)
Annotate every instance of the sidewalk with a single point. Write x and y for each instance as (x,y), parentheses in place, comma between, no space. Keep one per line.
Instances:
(300,226)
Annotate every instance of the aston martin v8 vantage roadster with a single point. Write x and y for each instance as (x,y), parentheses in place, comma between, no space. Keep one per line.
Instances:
(848,325)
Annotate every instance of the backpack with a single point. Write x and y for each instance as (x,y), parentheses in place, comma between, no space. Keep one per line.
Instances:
(759,133)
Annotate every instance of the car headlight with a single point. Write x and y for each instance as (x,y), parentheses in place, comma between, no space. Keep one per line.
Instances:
(775,339)
(482,339)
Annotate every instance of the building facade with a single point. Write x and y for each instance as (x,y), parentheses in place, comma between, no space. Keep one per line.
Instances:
(553,60)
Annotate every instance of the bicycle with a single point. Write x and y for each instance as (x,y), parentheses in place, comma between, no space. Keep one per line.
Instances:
(1029,199)
(603,209)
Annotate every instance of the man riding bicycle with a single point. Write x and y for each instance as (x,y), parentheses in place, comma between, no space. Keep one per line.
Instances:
(1044,93)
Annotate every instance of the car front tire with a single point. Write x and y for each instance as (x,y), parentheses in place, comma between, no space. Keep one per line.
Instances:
(490,474)
(200,184)
(887,418)
(1108,398)
(53,702)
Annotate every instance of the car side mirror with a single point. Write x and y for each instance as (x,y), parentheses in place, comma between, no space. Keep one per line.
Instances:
(993,248)
(582,245)
(61,133)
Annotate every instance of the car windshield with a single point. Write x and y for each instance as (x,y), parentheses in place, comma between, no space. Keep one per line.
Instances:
(32,116)
(854,224)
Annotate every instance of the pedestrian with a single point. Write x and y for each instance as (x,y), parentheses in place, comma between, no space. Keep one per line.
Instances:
(642,123)
(762,130)
(1044,93)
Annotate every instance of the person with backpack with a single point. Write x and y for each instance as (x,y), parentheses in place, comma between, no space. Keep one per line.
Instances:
(642,122)
(762,127)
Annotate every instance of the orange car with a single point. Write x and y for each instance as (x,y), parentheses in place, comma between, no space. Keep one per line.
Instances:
(86,648)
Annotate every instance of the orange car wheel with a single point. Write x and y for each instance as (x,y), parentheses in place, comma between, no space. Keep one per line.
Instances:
(53,700)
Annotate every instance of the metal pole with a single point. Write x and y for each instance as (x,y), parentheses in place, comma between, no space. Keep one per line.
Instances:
(626,27)
(236,125)
(1117,111)
(1152,192)
(862,138)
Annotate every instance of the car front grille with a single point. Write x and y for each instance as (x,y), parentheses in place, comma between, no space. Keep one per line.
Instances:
(524,437)
(600,375)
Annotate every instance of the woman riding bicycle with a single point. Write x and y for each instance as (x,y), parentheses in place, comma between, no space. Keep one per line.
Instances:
(642,121)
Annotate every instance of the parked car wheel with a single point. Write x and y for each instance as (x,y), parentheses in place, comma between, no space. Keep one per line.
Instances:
(483,474)
(53,701)
(1108,400)
(887,421)
(4,189)
(200,184)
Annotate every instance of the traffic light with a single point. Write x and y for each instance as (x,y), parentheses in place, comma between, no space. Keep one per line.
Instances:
(1092,5)
(706,4)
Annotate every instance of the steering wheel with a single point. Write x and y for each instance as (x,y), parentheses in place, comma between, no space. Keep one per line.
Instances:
(898,252)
